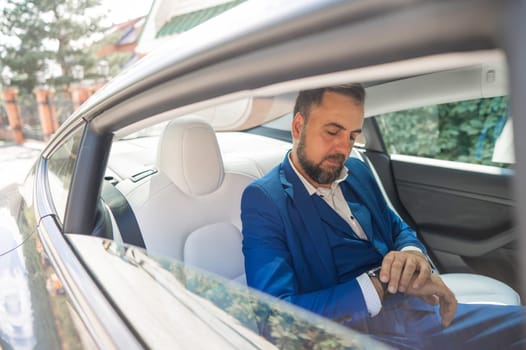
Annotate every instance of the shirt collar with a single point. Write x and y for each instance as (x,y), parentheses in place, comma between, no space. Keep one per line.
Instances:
(320,190)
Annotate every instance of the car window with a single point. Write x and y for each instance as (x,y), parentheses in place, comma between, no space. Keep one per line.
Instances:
(60,171)
(464,131)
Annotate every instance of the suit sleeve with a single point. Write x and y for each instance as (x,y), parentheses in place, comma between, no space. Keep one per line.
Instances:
(403,235)
(270,268)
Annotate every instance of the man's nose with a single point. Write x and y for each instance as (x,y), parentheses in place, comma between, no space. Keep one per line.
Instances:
(344,144)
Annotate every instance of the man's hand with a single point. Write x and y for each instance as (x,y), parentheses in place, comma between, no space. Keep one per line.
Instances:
(401,268)
(434,292)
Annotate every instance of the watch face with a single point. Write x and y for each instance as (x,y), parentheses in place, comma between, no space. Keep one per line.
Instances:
(374,272)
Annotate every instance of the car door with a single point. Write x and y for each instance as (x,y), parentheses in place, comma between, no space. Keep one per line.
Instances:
(437,165)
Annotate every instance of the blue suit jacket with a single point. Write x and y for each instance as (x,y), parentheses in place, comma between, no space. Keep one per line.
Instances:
(286,246)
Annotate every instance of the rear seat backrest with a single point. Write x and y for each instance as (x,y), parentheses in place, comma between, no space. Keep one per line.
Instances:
(190,209)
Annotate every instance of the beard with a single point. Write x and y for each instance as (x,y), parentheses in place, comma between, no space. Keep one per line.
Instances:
(315,170)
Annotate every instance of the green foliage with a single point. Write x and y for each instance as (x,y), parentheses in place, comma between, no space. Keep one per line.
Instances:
(46,30)
(463,131)
(280,325)
(249,314)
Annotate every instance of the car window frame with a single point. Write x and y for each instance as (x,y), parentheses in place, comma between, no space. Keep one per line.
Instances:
(88,175)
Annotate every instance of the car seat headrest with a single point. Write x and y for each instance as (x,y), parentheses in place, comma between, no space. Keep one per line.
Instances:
(189,155)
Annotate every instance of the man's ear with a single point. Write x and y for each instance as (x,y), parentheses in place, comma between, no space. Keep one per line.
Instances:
(297,125)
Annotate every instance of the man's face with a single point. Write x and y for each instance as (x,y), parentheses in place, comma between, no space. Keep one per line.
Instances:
(323,144)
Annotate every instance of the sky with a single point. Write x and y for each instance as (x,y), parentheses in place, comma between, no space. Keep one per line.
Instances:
(120,11)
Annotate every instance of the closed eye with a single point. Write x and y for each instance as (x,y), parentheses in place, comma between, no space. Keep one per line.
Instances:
(333,130)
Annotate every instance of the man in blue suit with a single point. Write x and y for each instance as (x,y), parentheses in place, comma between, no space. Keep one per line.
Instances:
(318,233)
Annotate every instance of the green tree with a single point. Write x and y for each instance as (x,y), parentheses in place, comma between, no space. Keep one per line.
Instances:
(463,131)
(37,32)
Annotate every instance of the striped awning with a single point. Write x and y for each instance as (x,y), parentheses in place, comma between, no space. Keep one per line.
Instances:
(187,21)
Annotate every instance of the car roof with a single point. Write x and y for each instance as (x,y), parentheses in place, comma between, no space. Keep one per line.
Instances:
(209,63)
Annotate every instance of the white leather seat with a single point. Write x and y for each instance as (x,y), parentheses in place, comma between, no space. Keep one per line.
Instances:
(217,248)
(478,289)
(190,209)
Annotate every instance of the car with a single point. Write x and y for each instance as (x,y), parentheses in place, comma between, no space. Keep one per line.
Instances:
(126,231)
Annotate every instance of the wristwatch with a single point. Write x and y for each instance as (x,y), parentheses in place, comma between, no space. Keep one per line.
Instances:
(376,273)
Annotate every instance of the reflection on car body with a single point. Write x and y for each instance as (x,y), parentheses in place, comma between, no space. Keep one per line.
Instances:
(201,303)
(31,310)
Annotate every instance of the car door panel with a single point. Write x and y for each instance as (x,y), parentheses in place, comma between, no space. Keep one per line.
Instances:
(459,211)
(464,217)
(466,205)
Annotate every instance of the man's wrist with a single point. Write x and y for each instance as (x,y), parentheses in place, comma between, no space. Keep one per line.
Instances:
(381,287)
(378,286)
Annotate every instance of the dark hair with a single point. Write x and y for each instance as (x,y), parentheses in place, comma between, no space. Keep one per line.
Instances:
(307,98)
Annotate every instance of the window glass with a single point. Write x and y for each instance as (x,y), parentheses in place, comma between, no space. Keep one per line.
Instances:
(226,314)
(60,171)
(464,131)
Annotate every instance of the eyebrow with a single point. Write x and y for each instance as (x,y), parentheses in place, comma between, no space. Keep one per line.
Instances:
(339,126)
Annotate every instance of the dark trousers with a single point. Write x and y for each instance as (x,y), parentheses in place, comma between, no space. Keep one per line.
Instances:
(409,323)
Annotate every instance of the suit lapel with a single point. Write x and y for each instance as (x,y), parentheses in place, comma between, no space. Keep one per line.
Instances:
(354,189)
(360,213)
(306,209)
